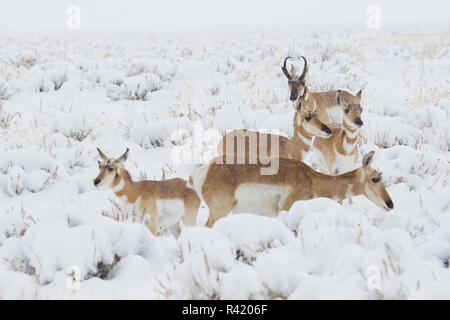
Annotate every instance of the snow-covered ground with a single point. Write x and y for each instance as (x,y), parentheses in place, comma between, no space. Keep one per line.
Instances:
(64,95)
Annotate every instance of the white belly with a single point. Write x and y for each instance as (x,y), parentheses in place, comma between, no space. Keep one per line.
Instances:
(335,114)
(169,212)
(261,199)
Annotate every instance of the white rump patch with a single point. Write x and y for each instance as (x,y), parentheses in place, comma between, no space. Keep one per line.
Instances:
(198,178)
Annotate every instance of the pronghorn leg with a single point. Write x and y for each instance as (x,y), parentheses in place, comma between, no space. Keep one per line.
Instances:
(350,200)
(153,224)
(340,202)
(219,208)
(288,202)
(210,221)
(179,228)
(191,206)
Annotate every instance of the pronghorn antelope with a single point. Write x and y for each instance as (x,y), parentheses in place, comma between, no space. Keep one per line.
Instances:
(241,188)
(165,201)
(255,144)
(338,154)
(326,106)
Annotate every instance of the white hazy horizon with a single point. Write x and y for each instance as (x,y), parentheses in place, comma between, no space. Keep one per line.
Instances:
(23,15)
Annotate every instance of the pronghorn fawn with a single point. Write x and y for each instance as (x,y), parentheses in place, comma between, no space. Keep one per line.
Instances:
(242,188)
(326,107)
(255,144)
(164,201)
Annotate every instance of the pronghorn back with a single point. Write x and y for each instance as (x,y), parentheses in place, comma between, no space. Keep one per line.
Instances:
(247,145)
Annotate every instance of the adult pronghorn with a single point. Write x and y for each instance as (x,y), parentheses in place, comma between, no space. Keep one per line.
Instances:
(250,143)
(164,201)
(339,153)
(326,107)
(242,188)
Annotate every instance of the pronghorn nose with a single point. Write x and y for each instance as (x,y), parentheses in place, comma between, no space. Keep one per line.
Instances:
(390,204)
(326,129)
(293,97)
(358,122)
(96,181)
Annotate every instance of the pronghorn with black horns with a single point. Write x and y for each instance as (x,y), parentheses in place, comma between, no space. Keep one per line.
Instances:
(251,145)
(326,107)
(164,201)
(241,188)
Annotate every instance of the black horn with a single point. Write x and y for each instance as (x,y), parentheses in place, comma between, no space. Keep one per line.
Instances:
(305,69)
(286,73)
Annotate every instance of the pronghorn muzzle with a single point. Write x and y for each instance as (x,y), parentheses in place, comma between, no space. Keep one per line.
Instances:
(390,204)
(326,129)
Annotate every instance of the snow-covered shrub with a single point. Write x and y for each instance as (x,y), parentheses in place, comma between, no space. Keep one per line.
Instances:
(205,255)
(280,273)
(5,90)
(157,133)
(6,117)
(15,183)
(25,59)
(227,119)
(52,247)
(14,221)
(134,88)
(75,126)
(252,234)
(25,170)
(58,77)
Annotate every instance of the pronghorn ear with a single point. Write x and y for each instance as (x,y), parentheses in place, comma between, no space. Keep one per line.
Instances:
(339,99)
(123,157)
(358,95)
(367,160)
(99,163)
(102,155)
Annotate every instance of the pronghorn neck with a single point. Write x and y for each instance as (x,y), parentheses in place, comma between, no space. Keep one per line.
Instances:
(302,139)
(121,181)
(339,187)
(349,137)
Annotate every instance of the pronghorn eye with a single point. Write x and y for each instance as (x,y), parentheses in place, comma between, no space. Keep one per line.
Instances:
(109,168)
(375,180)
(307,118)
(347,110)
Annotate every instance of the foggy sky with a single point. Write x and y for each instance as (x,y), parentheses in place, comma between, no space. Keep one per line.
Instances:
(139,14)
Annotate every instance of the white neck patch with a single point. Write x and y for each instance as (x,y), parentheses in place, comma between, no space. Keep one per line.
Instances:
(304,139)
(119,187)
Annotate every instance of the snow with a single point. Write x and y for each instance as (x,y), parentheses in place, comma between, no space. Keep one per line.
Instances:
(63,96)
